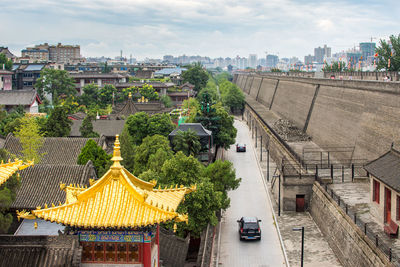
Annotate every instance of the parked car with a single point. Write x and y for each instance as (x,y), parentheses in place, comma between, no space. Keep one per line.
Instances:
(240,147)
(249,228)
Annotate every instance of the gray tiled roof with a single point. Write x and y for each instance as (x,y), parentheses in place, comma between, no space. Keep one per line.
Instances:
(107,128)
(59,150)
(40,251)
(386,168)
(196,127)
(40,184)
(17,97)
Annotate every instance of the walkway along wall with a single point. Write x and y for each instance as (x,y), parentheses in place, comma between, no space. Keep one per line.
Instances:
(288,177)
(347,241)
(360,114)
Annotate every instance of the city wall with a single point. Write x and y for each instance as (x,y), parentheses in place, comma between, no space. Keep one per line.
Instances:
(348,75)
(347,241)
(360,114)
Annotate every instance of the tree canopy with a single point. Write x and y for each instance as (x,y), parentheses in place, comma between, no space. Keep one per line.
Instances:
(28,134)
(196,75)
(7,62)
(55,82)
(188,142)
(86,128)
(389,54)
(141,125)
(58,124)
(101,160)
(232,96)
(148,148)
(137,126)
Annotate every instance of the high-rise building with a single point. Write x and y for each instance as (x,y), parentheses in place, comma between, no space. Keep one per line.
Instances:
(308,59)
(54,53)
(272,61)
(253,61)
(322,52)
(367,50)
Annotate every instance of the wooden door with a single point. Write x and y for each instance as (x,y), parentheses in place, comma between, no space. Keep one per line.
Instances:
(300,203)
(388,204)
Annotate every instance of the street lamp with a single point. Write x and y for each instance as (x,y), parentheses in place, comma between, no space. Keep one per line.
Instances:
(302,242)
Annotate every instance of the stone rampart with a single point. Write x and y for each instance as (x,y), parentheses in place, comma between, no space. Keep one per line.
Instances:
(347,241)
(360,114)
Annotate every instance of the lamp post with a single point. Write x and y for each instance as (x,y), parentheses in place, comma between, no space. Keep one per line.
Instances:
(302,242)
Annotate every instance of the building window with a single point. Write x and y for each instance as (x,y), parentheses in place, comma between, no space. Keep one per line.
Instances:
(375,196)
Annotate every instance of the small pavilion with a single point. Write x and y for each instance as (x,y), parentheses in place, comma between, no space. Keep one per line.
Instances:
(117,217)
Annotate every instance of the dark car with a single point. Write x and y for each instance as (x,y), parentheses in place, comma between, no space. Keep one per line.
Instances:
(240,147)
(249,228)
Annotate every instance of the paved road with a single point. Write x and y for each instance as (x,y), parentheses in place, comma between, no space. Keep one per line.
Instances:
(250,199)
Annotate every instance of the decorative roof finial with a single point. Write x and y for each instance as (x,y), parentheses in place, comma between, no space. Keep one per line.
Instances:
(116,154)
(130,95)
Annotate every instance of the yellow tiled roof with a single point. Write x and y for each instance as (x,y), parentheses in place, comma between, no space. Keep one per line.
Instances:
(8,169)
(117,200)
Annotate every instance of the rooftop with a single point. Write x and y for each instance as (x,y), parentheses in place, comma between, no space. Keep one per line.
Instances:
(117,200)
(386,168)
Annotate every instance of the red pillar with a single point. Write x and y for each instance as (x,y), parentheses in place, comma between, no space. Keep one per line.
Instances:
(146,254)
(158,243)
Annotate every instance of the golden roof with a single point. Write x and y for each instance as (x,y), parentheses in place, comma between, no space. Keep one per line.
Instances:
(9,168)
(116,200)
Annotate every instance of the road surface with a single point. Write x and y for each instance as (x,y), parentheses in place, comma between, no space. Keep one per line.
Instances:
(250,199)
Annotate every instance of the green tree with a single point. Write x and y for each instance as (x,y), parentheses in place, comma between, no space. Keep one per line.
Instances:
(188,142)
(86,128)
(222,77)
(181,170)
(336,66)
(128,149)
(7,62)
(9,122)
(234,98)
(106,68)
(58,124)
(166,100)
(200,205)
(101,160)
(193,107)
(389,51)
(137,126)
(216,119)
(196,75)
(7,197)
(55,82)
(90,95)
(106,94)
(160,124)
(223,176)
(148,92)
(149,147)
(30,138)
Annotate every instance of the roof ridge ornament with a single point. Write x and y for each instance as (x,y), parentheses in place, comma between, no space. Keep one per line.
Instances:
(116,155)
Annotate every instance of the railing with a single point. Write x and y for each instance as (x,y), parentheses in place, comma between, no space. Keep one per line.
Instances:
(367,230)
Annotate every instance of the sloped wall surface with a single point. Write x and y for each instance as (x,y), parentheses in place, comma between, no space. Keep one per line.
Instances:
(363,114)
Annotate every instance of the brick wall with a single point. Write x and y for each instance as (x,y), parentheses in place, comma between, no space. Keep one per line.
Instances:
(347,241)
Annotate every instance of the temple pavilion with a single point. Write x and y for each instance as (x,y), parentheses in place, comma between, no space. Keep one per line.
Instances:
(117,217)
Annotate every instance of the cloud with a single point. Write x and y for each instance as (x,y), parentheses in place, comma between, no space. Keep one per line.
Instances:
(152,28)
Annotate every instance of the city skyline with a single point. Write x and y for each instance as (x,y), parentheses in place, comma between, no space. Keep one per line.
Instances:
(214,29)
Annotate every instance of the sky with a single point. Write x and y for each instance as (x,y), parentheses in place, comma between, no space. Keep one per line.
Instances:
(214,28)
